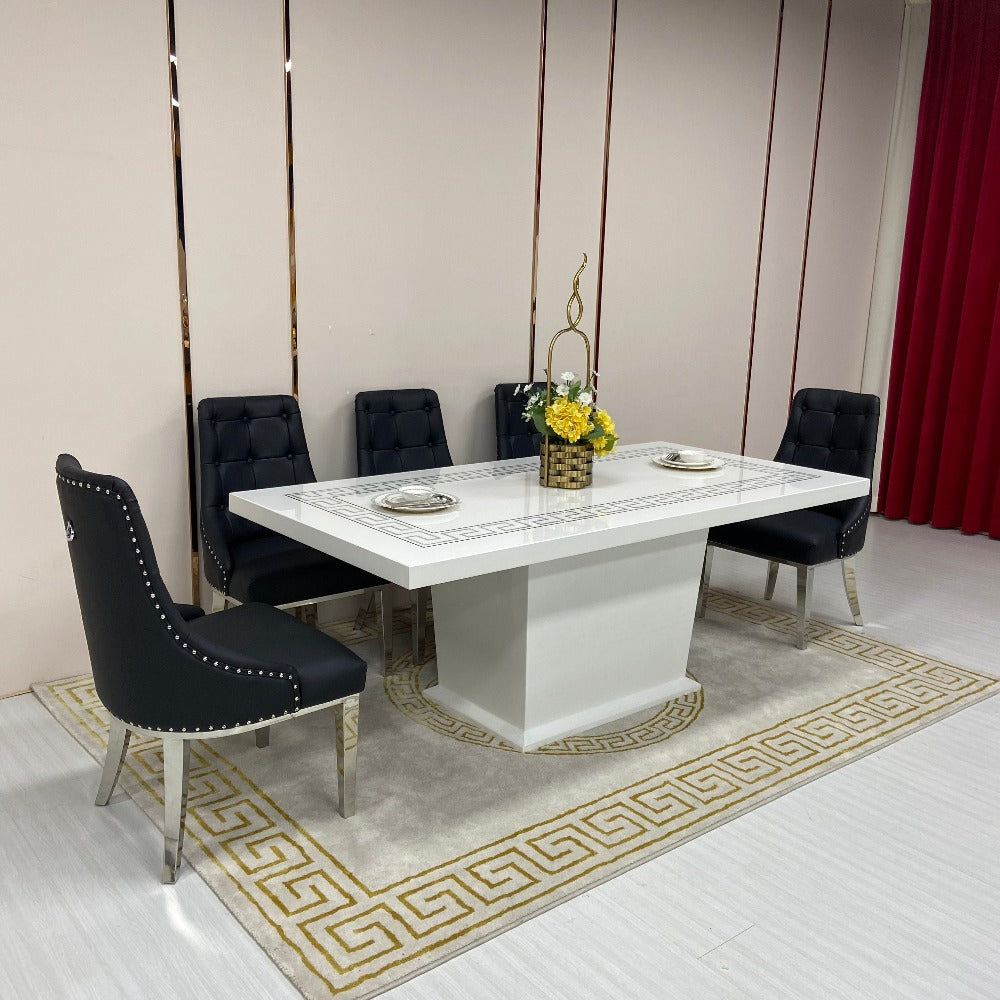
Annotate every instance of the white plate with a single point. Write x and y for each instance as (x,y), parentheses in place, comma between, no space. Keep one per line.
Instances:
(395,501)
(710,466)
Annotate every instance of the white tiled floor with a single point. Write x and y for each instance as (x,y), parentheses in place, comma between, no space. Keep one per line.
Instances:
(881,880)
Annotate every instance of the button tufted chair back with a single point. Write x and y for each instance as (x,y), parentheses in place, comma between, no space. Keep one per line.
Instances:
(515,438)
(247,442)
(834,430)
(399,430)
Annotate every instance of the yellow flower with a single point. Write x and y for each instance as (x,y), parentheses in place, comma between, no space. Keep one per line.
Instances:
(569,420)
(604,445)
(602,418)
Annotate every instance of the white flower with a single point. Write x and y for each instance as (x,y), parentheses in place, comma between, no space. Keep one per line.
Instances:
(562,390)
(568,377)
(527,417)
(517,389)
(585,397)
(530,385)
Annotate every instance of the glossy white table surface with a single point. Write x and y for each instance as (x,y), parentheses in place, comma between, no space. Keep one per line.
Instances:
(506,519)
(555,611)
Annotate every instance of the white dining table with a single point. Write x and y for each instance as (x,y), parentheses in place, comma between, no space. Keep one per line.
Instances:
(555,611)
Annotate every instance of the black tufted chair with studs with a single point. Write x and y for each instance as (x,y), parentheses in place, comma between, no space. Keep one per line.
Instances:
(828,429)
(399,431)
(515,438)
(253,442)
(170,671)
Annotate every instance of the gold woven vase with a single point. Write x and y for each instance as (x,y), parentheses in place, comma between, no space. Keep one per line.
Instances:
(566,466)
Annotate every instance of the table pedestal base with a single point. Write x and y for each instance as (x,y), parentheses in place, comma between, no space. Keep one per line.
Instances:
(544,651)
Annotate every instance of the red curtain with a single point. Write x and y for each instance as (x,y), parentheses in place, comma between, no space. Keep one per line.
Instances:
(941,455)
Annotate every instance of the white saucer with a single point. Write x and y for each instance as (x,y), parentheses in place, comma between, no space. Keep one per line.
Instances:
(396,501)
(710,466)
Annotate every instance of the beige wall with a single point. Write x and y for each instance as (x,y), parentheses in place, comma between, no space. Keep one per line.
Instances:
(688,137)
(91,330)
(791,168)
(850,179)
(414,166)
(576,86)
(230,72)
(414,139)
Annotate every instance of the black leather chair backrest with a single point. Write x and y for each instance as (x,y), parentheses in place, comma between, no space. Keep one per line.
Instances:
(148,669)
(831,429)
(399,430)
(247,442)
(515,438)
(834,430)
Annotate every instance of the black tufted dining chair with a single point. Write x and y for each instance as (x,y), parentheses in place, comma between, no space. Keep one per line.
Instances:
(828,429)
(169,671)
(253,442)
(515,438)
(402,430)
(399,430)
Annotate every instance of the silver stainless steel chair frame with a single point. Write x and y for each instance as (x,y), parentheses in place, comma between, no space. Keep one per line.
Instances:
(804,586)
(176,768)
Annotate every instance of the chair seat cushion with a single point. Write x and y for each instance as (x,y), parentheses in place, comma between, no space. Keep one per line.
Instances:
(801,536)
(278,570)
(327,669)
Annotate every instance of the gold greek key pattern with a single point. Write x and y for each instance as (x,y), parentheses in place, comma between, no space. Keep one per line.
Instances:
(335,934)
(405,690)
(404,687)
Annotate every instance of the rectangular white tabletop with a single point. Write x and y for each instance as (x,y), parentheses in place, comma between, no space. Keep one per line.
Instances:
(505,519)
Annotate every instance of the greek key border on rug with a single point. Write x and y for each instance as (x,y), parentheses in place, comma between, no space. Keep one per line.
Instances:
(333,933)
(404,690)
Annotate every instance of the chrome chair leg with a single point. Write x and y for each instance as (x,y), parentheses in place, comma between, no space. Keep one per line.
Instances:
(851,586)
(176,767)
(118,737)
(772,577)
(420,627)
(218,601)
(804,591)
(364,610)
(346,721)
(262,737)
(383,606)
(706,574)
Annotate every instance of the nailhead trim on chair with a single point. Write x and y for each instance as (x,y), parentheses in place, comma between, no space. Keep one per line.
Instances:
(194,652)
(842,541)
(215,559)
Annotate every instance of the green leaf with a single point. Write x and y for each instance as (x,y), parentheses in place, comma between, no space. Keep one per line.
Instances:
(540,425)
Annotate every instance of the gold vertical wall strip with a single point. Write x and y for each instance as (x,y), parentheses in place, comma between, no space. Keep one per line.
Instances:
(809,205)
(182,288)
(292,290)
(543,32)
(760,232)
(604,189)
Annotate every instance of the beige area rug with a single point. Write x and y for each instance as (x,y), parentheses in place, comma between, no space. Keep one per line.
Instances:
(458,837)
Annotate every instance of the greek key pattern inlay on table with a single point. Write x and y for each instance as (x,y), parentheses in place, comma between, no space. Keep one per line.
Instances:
(354,502)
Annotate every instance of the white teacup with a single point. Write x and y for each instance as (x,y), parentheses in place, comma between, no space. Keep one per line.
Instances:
(414,492)
(691,456)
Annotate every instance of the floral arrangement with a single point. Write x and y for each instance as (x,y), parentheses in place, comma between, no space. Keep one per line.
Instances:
(572,416)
